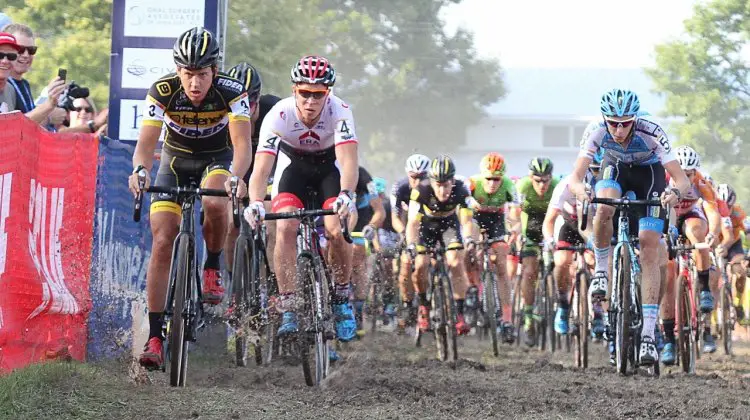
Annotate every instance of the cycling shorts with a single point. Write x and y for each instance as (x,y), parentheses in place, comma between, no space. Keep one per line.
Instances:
(533,234)
(180,171)
(432,230)
(735,249)
(694,213)
(569,235)
(493,224)
(305,180)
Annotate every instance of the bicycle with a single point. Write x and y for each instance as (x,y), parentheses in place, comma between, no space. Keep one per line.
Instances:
(516,295)
(443,313)
(489,297)
(183,312)
(726,313)
(253,283)
(314,283)
(625,312)
(374,305)
(579,306)
(544,302)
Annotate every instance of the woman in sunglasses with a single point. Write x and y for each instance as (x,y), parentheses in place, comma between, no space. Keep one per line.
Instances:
(8,54)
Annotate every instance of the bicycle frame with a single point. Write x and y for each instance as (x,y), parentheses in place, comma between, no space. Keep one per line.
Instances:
(624,240)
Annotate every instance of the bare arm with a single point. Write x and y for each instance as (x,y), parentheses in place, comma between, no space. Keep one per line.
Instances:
(148,138)
(346,154)
(259,177)
(397,222)
(465,216)
(548,227)
(240,133)
(378,216)
(678,176)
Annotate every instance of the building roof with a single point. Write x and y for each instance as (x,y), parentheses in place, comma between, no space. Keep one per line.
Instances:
(569,91)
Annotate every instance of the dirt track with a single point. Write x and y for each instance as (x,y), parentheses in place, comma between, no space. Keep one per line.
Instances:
(386,377)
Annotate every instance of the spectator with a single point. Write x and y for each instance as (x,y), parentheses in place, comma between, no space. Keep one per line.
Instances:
(9,50)
(84,114)
(24,99)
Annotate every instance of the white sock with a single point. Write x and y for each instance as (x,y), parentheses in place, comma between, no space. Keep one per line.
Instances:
(602,259)
(650,314)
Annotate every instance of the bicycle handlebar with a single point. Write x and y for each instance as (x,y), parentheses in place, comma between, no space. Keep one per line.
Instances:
(303,214)
(621,202)
(574,248)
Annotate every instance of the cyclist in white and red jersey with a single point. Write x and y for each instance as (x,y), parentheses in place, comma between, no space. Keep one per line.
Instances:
(312,133)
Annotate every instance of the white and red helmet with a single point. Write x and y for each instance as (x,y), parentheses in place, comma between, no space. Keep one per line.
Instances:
(314,69)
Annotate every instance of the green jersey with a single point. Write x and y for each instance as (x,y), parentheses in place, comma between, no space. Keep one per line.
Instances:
(505,194)
(532,204)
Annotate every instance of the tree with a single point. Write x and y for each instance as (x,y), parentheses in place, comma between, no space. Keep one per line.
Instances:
(705,78)
(71,34)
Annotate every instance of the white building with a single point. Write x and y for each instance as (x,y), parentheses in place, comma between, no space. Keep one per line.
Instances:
(545,113)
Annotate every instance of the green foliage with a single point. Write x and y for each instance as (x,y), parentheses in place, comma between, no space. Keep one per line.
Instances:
(705,77)
(75,35)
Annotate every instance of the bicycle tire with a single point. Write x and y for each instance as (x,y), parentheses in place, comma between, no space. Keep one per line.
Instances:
(552,336)
(451,335)
(178,345)
(240,281)
(725,318)
(259,303)
(517,307)
(374,306)
(307,338)
(686,334)
(622,335)
(441,338)
(489,283)
(581,353)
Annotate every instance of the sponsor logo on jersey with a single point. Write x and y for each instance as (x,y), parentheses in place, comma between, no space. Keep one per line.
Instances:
(230,84)
(195,132)
(200,119)
(309,138)
(163,88)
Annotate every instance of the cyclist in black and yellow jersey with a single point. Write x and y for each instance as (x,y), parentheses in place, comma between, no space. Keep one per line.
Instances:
(202,109)
(440,209)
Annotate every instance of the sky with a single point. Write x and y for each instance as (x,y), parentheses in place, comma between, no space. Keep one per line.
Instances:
(572,33)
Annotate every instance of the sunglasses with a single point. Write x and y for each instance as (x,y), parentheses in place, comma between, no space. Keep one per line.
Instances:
(10,56)
(618,124)
(31,50)
(315,94)
(83,108)
(416,176)
(497,179)
(541,180)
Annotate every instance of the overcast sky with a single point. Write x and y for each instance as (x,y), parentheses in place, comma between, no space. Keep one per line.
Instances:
(572,33)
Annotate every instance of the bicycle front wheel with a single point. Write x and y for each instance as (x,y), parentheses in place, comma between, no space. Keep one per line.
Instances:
(489,283)
(451,314)
(726,321)
(178,345)
(580,303)
(686,328)
(241,302)
(312,341)
(622,335)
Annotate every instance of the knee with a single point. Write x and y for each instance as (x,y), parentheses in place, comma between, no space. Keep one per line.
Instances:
(213,206)
(454,260)
(285,230)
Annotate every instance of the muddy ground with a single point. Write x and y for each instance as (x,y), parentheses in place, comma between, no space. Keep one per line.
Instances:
(385,377)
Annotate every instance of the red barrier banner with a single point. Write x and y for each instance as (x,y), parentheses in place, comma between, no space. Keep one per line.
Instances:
(47,187)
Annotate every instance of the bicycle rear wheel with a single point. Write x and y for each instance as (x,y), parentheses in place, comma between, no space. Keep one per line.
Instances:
(622,335)
(178,345)
(489,283)
(685,334)
(240,296)
(726,321)
(580,303)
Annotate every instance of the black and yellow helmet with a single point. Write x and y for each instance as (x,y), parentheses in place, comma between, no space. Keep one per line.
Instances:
(196,48)
(250,78)
(541,166)
(442,168)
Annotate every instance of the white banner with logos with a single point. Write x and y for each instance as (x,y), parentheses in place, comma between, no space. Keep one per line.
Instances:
(162,18)
(141,67)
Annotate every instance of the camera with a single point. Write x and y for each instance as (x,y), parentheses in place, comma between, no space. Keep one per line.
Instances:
(72,92)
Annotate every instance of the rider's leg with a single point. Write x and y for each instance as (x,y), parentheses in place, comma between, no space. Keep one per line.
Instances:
(165,222)
(529,273)
(359,278)
(419,278)
(500,253)
(696,230)
(649,236)
(215,224)
(561,272)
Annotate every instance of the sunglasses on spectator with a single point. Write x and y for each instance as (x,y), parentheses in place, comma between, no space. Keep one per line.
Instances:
(10,56)
(539,180)
(31,50)
(618,124)
(315,94)
(83,108)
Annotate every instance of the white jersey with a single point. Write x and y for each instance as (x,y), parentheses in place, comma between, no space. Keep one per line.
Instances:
(649,144)
(563,199)
(281,125)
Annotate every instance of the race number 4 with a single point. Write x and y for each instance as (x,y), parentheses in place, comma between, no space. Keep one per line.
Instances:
(5,184)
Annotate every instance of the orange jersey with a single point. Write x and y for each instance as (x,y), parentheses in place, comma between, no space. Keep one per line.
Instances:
(700,189)
(736,216)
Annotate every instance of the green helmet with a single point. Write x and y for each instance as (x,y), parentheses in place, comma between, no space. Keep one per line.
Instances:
(540,166)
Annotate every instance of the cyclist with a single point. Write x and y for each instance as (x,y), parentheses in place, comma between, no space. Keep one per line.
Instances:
(370,215)
(534,195)
(416,171)
(388,242)
(201,107)
(314,129)
(493,189)
(251,79)
(732,226)
(565,204)
(513,260)
(440,209)
(636,154)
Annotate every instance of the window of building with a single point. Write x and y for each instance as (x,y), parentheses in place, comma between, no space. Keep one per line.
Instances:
(578,134)
(555,136)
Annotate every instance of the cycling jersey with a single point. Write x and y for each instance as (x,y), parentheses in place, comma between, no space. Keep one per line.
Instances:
(265,103)
(734,217)
(423,202)
(283,129)
(700,189)
(492,202)
(365,193)
(400,193)
(531,203)
(648,144)
(196,130)
(565,201)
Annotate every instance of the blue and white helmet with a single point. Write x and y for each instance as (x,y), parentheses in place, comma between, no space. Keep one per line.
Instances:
(620,103)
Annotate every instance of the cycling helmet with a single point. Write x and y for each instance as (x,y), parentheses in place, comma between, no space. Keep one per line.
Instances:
(492,165)
(709,179)
(620,103)
(688,158)
(314,70)
(250,78)
(380,185)
(442,168)
(726,194)
(196,48)
(541,166)
(417,163)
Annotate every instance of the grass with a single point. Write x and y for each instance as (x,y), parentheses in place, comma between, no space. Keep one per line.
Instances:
(59,390)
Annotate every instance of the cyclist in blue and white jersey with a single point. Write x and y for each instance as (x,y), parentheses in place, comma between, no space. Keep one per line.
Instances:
(636,154)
